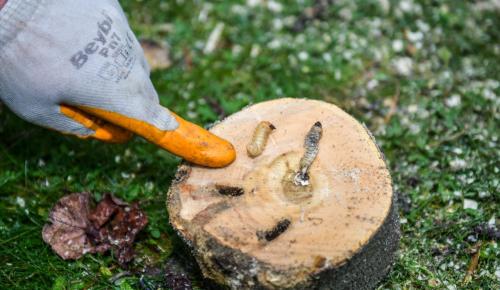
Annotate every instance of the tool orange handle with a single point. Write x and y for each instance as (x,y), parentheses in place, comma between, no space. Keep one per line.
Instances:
(188,141)
(104,131)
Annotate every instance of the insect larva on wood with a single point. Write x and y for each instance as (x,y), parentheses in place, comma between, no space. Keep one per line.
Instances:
(259,139)
(229,190)
(273,233)
(311,145)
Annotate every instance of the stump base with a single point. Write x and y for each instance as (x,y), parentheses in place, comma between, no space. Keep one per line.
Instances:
(250,226)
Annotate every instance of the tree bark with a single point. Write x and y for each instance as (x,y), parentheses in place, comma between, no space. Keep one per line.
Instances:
(250,226)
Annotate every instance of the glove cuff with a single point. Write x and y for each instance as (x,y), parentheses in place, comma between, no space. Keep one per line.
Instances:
(14,17)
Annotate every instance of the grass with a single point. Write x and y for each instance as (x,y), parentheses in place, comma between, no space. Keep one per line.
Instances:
(423,76)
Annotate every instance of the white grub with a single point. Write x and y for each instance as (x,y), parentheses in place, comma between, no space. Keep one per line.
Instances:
(259,139)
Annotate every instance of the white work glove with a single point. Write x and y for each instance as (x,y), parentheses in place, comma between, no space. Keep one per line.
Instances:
(76,67)
(76,53)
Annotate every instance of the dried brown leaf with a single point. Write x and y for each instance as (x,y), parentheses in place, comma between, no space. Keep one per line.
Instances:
(157,54)
(75,229)
(103,211)
(66,232)
(127,223)
(473,263)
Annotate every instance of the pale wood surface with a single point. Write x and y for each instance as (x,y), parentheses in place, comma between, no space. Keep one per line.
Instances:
(348,201)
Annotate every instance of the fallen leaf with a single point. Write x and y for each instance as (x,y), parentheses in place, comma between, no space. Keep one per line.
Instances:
(128,221)
(103,211)
(156,53)
(75,229)
(473,263)
(67,233)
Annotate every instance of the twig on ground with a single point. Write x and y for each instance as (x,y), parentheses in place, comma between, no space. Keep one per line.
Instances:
(216,106)
(187,58)
(393,105)
(214,38)
(473,263)
(449,138)
(120,275)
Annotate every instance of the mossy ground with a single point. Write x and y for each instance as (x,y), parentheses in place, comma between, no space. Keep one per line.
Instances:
(423,76)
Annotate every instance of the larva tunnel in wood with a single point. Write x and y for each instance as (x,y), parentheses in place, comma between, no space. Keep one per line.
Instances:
(251,225)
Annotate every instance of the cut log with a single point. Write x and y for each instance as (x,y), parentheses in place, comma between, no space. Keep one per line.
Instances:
(251,226)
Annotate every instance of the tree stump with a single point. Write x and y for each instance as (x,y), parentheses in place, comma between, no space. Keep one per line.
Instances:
(251,227)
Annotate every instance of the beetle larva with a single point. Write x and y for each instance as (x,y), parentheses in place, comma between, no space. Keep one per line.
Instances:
(259,139)
(273,233)
(229,190)
(311,145)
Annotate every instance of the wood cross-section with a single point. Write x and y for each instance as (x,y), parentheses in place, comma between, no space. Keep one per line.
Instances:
(338,231)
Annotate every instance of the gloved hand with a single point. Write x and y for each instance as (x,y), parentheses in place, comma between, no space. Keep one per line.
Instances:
(76,67)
